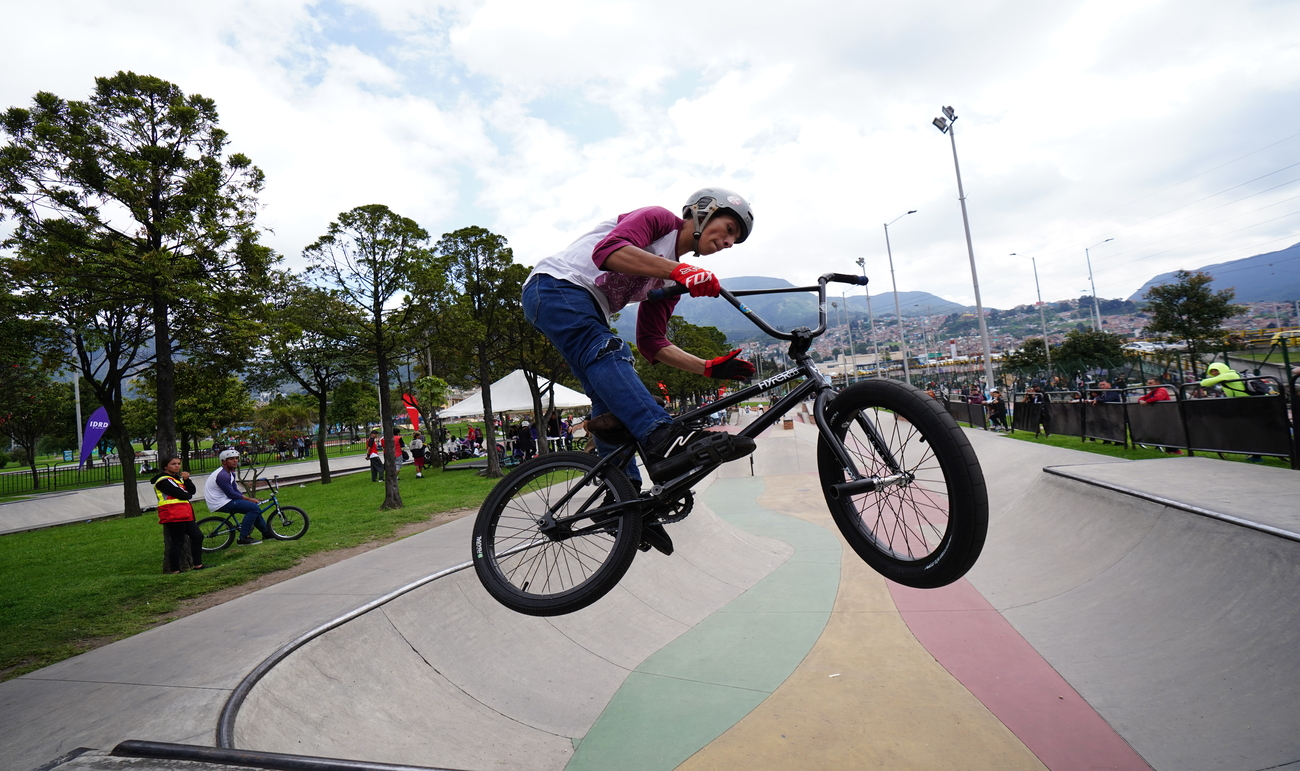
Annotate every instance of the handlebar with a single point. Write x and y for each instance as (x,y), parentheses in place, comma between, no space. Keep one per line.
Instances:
(838,278)
(820,289)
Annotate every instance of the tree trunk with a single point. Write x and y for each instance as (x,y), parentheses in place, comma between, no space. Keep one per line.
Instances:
(392,492)
(126,459)
(165,369)
(185,451)
(321,432)
(493,470)
(31,463)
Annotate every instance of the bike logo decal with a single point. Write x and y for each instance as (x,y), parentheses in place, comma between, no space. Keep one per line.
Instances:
(478,546)
(781,378)
(679,442)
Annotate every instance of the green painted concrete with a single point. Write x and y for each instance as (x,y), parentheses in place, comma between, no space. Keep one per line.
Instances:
(694,689)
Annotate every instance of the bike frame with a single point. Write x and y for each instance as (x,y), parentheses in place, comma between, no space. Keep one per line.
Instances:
(814,382)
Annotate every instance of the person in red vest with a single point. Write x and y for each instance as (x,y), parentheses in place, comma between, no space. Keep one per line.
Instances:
(174,489)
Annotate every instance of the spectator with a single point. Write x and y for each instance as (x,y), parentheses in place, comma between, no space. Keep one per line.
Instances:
(417,454)
(223,497)
(1158,393)
(399,450)
(1231,384)
(375,454)
(174,489)
(1227,379)
(1035,395)
(997,407)
(1106,394)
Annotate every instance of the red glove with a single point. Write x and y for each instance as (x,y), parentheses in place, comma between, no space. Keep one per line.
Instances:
(729,367)
(701,282)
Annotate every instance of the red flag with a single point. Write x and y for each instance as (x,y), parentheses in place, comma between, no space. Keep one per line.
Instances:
(412,409)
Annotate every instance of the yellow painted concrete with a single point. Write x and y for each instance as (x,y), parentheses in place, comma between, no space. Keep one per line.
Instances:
(868,695)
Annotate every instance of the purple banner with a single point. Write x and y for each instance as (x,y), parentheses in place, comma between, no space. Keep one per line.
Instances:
(95,428)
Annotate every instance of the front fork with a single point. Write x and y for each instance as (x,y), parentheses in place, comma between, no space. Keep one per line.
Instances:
(858,483)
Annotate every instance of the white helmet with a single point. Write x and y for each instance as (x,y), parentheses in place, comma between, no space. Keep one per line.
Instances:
(705,203)
(228,454)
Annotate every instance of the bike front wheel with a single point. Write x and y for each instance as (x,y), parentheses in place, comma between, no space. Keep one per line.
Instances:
(287,523)
(218,532)
(536,548)
(925,526)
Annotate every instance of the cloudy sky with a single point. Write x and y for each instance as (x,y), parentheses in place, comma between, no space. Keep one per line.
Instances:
(1172,128)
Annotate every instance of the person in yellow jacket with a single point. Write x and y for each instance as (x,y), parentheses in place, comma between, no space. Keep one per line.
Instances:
(1227,379)
(1231,384)
(174,489)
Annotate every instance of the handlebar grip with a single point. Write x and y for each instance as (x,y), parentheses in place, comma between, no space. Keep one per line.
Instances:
(666,292)
(847,278)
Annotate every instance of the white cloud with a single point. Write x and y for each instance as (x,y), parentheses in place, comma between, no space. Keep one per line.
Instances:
(1080,121)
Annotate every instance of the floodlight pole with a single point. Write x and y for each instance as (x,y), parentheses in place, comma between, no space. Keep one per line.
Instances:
(947,127)
(871,317)
(848,325)
(1042,316)
(898,311)
(1095,306)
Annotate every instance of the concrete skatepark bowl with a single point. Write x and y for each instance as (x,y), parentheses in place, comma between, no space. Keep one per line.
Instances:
(1108,624)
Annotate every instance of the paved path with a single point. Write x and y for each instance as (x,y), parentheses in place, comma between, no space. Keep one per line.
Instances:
(1099,630)
(61,508)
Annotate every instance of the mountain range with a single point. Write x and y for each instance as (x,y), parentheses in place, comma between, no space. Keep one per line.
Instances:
(1270,277)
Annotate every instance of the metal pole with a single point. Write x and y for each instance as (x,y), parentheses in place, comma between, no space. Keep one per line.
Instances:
(848,323)
(1095,306)
(871,317)
(76,398)
(1042,316)
(974,275)
(898,311)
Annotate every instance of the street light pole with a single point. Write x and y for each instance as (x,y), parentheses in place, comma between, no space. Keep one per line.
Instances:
(898,312)
(871,317)
(848,324)
(1096,308)
(947,127)
(1042,316)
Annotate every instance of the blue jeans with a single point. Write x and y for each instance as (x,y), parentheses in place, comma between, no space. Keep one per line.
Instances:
(252,516)
(570,318)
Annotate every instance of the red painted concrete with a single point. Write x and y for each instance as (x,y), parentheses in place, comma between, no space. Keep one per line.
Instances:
(970,639)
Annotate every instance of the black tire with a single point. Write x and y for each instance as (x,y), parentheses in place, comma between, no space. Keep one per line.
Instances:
(218,532)
(926,532)
(289,524)
(538,574)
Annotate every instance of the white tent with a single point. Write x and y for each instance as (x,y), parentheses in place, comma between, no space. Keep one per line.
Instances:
(511,394)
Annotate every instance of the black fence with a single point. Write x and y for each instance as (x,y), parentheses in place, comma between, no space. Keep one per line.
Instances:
(1187,419)
(16,480)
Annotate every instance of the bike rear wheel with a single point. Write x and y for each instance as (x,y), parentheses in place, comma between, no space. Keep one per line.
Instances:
(218,532)
(536,567)
(927,530)
(287,523)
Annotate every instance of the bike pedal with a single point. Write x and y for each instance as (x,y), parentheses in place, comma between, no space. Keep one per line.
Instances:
(654,536)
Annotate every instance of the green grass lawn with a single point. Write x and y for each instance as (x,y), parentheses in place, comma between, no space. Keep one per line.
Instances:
(68,588)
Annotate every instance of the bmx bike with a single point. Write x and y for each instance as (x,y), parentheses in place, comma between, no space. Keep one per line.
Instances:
(900,478)
(283,523)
